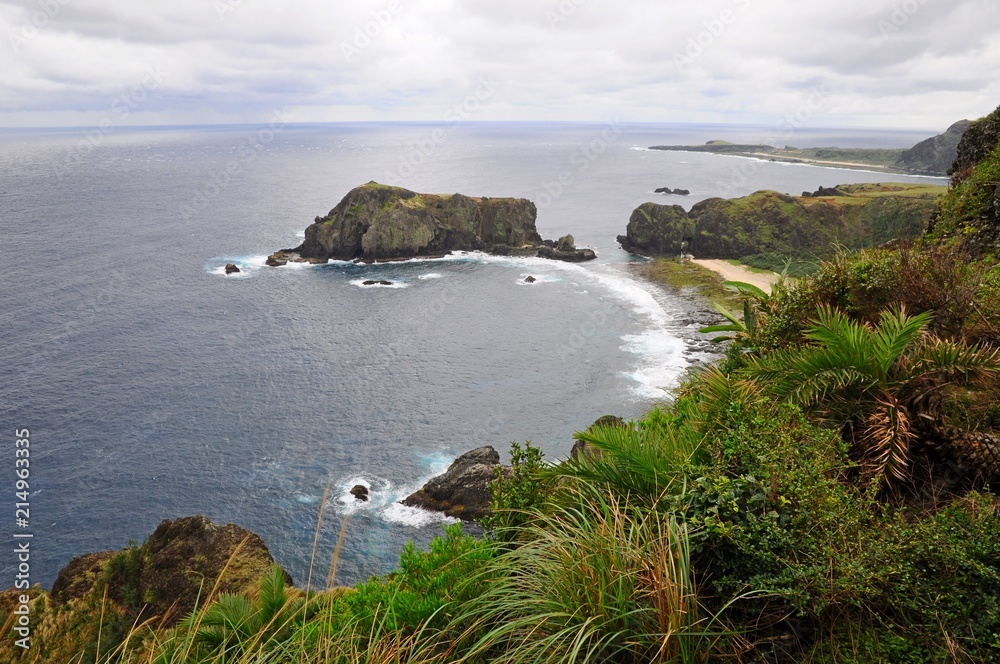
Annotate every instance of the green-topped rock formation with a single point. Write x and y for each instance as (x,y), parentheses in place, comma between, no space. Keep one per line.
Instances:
(772,226)
(380,222)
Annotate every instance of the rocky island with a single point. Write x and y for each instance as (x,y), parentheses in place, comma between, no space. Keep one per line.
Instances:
(376,222)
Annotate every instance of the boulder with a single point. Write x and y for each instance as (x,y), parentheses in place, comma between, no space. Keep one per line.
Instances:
(583,449)
(376,282)
(574,256)
(463,491)
(360,492)
(566,243)
(231,268)
(530,279)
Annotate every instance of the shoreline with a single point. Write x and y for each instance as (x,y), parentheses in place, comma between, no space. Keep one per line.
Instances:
(730,272)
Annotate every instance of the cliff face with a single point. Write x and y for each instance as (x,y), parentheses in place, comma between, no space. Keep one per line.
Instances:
(969,215)
(935,155)
(377,221)
(770,223)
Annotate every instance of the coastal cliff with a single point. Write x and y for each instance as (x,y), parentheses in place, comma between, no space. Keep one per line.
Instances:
(380,222)
(969,215)
(774,226)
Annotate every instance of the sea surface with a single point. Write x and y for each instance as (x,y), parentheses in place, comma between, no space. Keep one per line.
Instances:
(154,386)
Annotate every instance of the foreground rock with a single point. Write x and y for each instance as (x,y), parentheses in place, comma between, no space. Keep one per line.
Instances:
(376,222)
(582,449)
(101,596)
(463,491)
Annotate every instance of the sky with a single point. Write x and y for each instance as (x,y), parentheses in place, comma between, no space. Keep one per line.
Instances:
(909,64)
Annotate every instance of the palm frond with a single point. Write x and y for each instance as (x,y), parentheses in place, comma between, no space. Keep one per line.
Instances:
(887,439)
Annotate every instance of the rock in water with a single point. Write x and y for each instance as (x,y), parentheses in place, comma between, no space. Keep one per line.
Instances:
(378,222)
(530,279)
(464,490)
(231,268)
(376,282)
(360,491)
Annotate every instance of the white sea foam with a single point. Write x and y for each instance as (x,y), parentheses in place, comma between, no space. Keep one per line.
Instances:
(361,284)
(434,463)
(247,265)
(414,517)
(661,350)
(430,275)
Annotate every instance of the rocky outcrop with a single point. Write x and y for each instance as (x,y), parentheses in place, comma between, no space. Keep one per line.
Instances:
(100,598)
(231,268)
(661,230)
(935,155)
(565,250)
(969,215)
(463,491)
(380,222)
(768,223)
(360,492)
(165,576)
(668,190)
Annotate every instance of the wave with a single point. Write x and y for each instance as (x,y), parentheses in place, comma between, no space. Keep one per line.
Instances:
(384,496)
(360,283)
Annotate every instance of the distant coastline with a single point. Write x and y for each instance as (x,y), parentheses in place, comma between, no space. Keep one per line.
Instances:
(868,159)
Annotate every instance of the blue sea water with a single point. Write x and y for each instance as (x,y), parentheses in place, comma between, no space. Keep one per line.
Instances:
(154,386)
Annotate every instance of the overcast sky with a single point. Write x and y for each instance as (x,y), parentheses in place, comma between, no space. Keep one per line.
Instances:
(918,64)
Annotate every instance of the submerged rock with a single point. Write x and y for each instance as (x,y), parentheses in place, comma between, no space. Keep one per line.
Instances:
(376,282)
(463,491)
(377,222)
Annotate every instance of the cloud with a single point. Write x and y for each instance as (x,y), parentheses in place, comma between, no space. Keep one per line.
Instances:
(892,63)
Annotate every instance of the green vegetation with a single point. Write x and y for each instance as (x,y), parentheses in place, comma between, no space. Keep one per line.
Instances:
(824,493)
(689,278)
(773,231)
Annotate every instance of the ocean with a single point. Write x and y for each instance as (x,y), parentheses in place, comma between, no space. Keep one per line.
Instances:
(154,386)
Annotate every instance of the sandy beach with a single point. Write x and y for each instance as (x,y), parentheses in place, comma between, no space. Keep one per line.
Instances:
(730,272)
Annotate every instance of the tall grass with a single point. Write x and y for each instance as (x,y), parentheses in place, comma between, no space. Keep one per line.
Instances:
(592,582)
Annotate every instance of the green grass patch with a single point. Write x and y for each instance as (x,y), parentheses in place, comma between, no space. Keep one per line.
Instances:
(691,279)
